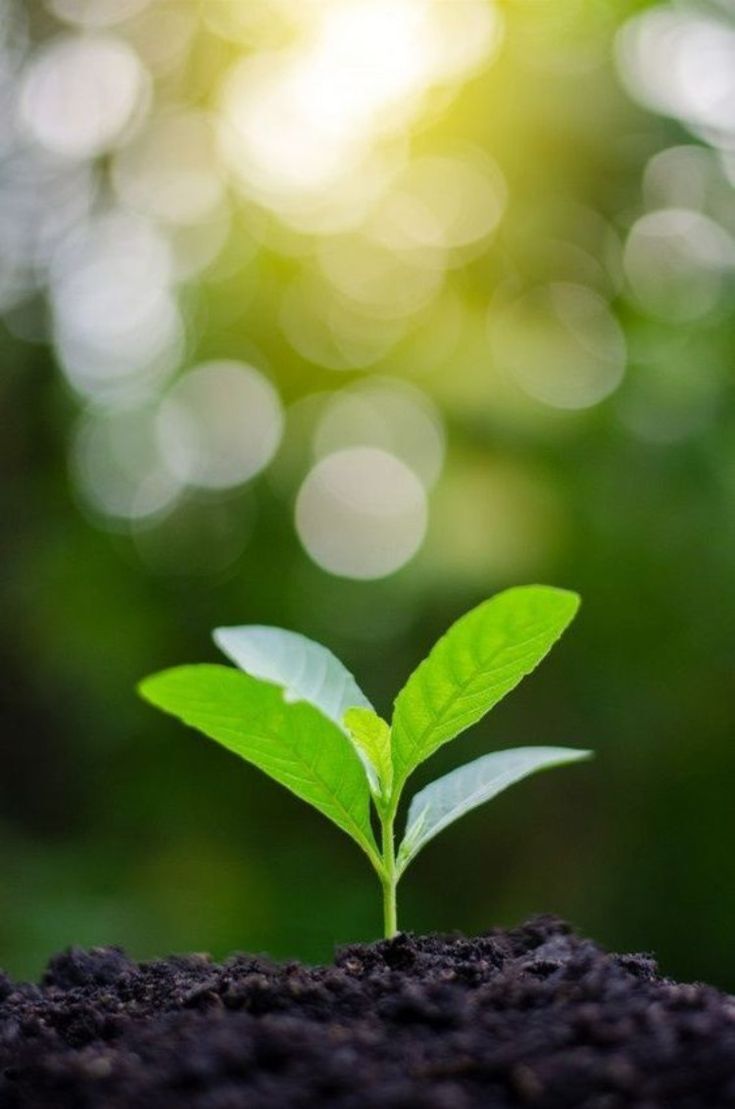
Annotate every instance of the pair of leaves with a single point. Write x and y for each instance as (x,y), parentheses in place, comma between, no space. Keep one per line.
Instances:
(294,711)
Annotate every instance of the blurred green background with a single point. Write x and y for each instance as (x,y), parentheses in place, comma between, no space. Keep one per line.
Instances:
(341,315)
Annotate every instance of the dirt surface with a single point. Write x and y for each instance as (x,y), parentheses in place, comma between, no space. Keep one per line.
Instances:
(531,1017)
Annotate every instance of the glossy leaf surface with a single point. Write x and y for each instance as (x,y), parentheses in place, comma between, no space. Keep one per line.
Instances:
(483,656)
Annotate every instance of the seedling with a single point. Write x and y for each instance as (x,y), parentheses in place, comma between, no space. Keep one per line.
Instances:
(294,711)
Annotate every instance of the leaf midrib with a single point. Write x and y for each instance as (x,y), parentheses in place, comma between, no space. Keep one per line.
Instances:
(457,694)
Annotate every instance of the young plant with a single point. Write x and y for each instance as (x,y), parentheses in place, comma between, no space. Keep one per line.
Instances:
(294,711)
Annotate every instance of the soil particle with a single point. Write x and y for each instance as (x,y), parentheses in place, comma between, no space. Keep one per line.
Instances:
(533,1018)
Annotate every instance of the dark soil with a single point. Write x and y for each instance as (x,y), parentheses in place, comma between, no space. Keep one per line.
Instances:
(532,1017)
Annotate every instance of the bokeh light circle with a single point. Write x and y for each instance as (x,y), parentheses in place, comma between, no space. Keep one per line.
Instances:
(170,171)
(117,466)
(330,331)
(96,13)
(220,424)
(561,344)
(80,93)
(385,283)
(443,202)
(675,260)
(386,413)
(361,513)
(679,60)
(117,326)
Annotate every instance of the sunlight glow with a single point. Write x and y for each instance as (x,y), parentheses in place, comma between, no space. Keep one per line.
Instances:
(300,121)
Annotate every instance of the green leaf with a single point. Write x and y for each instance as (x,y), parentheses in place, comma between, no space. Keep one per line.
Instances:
(291,742)
(305,669)
(371,735)
(450,797)
(480,659)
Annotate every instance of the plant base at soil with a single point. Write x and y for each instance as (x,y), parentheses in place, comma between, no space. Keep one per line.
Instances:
(531,1017)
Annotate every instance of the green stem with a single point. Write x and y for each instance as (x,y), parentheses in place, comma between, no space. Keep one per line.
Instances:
(389,878)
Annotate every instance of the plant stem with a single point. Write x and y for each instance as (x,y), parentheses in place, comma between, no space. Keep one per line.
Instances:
(389,877)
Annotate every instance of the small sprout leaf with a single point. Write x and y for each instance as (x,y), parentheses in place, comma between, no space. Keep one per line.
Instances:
(483,656)
(445,800)
(306,670)
(293,710)
(371,736)
(292,742)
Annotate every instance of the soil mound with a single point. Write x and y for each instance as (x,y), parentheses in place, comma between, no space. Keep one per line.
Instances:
(533,1017)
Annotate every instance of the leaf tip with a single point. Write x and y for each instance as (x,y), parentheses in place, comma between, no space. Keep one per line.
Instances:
(569,596)
(157,689)
(574,754)
(220,637)
(144,686)
(153,688)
